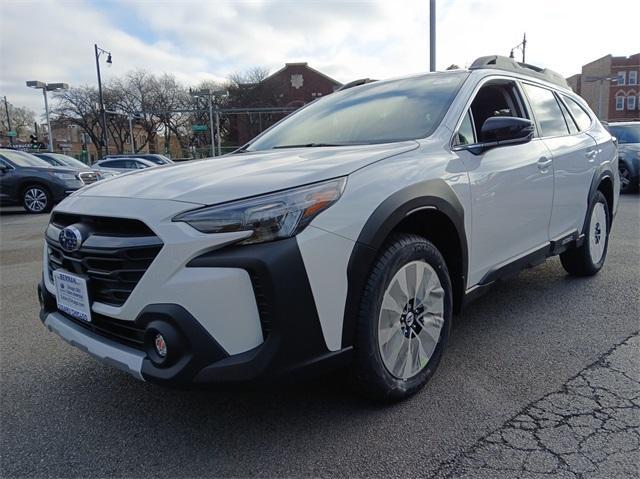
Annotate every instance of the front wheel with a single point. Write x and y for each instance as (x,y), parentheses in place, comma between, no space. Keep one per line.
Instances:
(589,258)
(404,321)
(37,199)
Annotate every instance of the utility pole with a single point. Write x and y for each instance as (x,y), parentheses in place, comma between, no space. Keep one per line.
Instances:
(432,35)
(133,148)
(521,46)
(6,108)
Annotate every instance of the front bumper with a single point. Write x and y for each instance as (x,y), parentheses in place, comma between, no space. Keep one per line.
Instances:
(293,337)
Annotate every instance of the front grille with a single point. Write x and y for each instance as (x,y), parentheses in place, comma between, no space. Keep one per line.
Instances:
(126,332)
(88,177)
(112,261)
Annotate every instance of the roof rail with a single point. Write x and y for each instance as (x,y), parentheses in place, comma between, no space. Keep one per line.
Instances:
(499,62)
(353,83)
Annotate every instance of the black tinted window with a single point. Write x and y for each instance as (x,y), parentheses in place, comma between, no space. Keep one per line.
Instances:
(546,110)
(113,164)
(582,118)
(626,133)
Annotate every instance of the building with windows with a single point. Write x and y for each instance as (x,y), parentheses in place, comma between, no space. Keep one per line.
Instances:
(611,87)
(289,88)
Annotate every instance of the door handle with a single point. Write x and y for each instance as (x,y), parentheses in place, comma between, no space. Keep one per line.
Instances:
(544,163)
(591,155)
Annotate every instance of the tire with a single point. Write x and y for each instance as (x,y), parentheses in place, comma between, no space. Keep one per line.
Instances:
(589,258)
(37,199)
(628,184)
(411,327)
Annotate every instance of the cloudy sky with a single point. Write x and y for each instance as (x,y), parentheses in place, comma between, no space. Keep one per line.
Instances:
(52,41)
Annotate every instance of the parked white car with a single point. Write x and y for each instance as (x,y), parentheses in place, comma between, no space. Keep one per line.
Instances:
(122,165)
(349,233)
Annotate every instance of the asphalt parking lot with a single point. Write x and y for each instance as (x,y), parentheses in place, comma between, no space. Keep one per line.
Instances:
(541,379)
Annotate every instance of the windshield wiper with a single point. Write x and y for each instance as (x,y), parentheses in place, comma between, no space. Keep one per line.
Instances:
(306,145)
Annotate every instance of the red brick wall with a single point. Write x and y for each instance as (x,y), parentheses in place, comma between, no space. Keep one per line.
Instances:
(626,64)
(289,92)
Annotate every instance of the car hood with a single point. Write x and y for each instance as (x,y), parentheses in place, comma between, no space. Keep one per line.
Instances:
(230,177)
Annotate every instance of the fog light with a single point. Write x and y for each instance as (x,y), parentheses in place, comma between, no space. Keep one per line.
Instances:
(160,345)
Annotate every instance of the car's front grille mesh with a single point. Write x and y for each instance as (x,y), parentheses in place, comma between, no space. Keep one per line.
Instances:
(127,332)
(88,177)
(112,262)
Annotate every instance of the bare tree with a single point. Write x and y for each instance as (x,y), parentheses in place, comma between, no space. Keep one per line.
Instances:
(22,119)
(79,106)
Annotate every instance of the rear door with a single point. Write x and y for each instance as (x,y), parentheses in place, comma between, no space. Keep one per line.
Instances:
(574,153)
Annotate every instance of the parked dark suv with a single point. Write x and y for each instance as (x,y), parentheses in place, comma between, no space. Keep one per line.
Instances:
(33,183)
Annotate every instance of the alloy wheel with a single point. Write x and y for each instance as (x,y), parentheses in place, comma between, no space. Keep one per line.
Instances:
(35,200)
(411,319)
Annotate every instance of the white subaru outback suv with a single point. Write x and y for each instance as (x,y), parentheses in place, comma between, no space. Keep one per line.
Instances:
(348,233)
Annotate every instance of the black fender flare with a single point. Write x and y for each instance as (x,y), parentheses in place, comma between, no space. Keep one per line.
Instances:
(599,175)
(431,194)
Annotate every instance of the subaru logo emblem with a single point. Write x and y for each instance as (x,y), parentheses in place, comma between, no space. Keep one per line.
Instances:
(70,239)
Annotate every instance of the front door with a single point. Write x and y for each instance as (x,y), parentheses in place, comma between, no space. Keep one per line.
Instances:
(511,186)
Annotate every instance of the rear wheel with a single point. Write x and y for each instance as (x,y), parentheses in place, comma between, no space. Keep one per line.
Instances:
(405,319)
(37,199)
(589,258)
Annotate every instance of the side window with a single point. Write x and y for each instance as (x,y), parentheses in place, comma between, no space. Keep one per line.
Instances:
(546,110)
(113,164)
(582,118)
(5,164)
(495,98)
(573,128)
(465,135)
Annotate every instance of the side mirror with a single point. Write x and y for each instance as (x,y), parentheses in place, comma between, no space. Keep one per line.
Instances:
(3,169)
(506,130)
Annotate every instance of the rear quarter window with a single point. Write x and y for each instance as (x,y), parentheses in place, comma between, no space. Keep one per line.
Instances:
(582,118)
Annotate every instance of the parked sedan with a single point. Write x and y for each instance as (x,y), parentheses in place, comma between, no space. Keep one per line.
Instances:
(27,180)
(152,157)
(58,160)
(123,165)
(628,135)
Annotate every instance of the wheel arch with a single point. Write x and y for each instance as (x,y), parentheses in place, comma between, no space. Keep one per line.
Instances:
(602,181)
(430,209)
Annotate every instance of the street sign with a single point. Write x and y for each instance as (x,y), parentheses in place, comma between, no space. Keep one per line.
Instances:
(196,128)
(12,133)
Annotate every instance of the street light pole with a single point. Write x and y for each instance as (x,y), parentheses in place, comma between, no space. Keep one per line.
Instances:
(103,113)
(213,152)
(45,87)
(6,108)
(46,112)
(432,35)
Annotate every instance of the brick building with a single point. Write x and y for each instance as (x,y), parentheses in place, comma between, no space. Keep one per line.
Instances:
(293,86)
(611,87)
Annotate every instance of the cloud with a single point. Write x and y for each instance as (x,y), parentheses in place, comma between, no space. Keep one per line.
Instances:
(196,40)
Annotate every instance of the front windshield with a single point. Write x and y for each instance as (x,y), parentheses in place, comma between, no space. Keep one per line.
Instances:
(378,112)
(24,159)
(626,133)
(69,161)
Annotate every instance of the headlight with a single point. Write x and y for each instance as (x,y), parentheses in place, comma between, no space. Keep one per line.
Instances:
(64,176)
(270,217)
